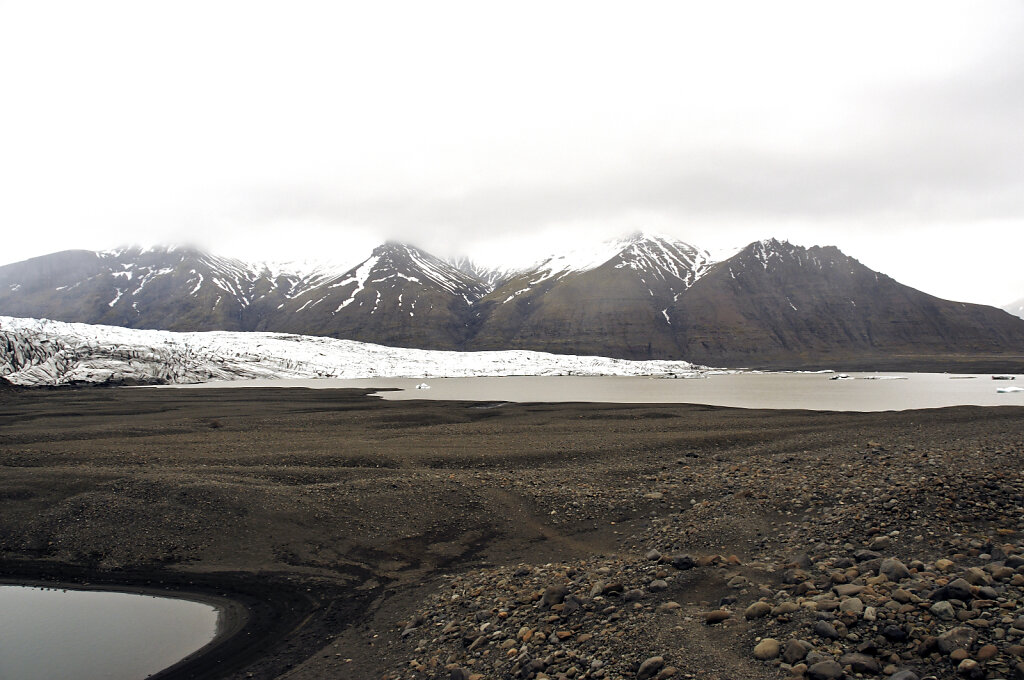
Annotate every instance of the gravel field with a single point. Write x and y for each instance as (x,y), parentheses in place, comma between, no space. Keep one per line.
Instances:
(408,540)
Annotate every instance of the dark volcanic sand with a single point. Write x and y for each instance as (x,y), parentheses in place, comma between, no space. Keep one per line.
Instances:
(337,518)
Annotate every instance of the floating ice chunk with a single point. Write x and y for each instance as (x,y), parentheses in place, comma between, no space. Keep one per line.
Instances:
(423,386)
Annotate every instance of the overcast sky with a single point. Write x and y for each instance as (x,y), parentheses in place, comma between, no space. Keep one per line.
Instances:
(894,130)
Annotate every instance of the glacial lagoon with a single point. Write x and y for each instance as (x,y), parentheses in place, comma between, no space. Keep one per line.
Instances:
(813,391)
(48,633)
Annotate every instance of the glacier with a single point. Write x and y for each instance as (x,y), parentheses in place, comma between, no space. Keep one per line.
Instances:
(35,352)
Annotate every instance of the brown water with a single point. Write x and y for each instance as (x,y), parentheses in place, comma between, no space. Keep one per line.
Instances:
(813,391)
(96,635)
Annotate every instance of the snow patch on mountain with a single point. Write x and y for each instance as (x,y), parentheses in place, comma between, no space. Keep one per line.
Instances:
(492,277)
(665,259)
(1016,308)
(668,260)
(43,352)
(582,259)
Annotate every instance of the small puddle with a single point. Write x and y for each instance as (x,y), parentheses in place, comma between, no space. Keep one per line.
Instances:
(49,633)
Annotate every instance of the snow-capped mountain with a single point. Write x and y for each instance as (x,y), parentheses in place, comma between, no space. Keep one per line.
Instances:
(399,295)
(39,352)
(613,294)
(644,253)
(775,303)
(771,304)
(1016,308)
(164,287)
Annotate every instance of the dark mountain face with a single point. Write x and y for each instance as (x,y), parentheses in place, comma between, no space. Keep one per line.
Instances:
(160,288)
(614,308)
(778,304)
(771,305)
(398,296)
(177,289)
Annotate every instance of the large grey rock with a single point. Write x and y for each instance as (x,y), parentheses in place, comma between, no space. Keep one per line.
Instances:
(796,650)
(553,595)
(893,569)
(825,670)
(826,630)
(905,674)
(860,663)
(961,637)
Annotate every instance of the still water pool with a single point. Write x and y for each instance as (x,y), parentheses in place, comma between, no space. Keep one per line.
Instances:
(815,391)
(96,635)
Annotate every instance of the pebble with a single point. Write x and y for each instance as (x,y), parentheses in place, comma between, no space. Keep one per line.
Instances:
(718,616)
(947,603)
(650,668)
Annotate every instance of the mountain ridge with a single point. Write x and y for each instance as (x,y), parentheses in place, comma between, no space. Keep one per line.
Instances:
(771,304)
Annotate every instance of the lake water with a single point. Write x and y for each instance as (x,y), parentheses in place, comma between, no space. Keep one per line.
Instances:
(815,391)
(96,635)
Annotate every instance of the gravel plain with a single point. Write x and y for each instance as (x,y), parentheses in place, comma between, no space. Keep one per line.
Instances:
(409,540)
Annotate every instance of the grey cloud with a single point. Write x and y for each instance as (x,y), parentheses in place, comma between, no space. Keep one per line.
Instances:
(949,151)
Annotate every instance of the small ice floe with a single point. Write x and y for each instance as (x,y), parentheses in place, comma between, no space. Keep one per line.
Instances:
(885,377)
(1007,390)
(1004,377)
(841,376)
(423,386)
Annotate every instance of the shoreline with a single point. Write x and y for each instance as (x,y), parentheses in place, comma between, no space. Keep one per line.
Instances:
(232,616)
(253,617)
(774,391)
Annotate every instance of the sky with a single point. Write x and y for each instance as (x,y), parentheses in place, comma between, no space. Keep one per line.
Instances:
(509,131)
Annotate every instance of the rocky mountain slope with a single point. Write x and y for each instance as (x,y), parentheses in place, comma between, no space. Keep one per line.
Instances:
(772,304)
(167,287)
(399,296)
(614,297)
(39,352)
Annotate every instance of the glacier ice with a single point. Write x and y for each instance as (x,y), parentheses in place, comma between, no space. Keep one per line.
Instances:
(44,352)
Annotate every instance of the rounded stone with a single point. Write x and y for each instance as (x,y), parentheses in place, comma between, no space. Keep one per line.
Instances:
(853,605)
(757,610)
(650,667)
(767,648)
(825,670)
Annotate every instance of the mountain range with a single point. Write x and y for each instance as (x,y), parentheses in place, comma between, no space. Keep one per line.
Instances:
(772,304)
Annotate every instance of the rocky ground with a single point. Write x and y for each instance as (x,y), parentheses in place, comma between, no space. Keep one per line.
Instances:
(545,541)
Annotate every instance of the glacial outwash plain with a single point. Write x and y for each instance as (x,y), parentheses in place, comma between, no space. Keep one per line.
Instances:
(424,539)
